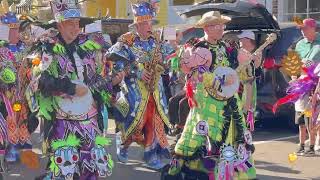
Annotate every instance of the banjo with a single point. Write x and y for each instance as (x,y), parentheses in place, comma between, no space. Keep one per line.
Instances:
(224,91)
(76,107)
(81,107)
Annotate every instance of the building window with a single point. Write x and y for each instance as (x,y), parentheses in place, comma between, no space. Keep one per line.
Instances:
(301,8)
(315,9)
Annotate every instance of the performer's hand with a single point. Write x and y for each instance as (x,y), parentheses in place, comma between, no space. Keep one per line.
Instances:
(293,79)
(243,57)
(118,78)
(159,57)
(257,58)
(81,90)
(146,76)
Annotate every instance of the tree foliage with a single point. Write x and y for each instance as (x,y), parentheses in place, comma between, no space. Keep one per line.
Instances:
(15,1)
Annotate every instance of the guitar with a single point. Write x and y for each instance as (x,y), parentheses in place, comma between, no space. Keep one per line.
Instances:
(270,39)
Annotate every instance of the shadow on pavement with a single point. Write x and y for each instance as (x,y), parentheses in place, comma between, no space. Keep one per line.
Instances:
(135,169)
(265,177)
(274,167)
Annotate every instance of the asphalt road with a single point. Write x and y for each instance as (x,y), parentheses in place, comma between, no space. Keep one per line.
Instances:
(273,144)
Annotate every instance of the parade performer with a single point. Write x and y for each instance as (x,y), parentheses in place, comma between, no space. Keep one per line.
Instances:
(8,82)
(215,140)
(250,62)
(17,120)
(142,109)
(301,88)
(72,95)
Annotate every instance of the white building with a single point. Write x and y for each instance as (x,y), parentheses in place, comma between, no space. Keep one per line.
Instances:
(285,10)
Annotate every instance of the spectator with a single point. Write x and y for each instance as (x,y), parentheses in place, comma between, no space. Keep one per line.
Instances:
(309,51)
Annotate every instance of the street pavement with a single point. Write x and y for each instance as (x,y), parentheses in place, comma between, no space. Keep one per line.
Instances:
(273,144)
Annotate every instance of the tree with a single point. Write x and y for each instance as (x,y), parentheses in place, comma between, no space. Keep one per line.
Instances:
(15,1)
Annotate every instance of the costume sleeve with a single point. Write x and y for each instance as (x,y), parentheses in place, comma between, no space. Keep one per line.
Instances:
(232,54)
(7,75)
(49,85)
(166,50)
(8,72)
(120,51)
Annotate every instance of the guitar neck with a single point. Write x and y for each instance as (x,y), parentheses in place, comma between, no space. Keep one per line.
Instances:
(270,39)
(262,47)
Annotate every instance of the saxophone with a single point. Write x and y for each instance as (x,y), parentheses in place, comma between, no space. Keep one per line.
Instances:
(155,68)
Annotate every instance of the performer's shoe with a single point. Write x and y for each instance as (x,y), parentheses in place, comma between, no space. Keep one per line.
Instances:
(155,164)
(165,154)
(301,150)
(12,155)
(122,155)
(310,151)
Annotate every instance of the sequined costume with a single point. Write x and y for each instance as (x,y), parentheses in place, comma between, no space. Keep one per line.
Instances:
(213,121)
(8,82)
(143,110)
(75,122)
(147,113)
(17,113)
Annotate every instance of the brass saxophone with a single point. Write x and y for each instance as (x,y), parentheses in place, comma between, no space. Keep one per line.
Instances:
(155,68)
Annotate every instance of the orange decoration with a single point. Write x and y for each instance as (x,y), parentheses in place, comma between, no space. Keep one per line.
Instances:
(30,159)
(23,17)
(36,61)
(17,107)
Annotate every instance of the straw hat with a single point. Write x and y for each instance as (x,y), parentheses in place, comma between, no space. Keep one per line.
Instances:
(211,18)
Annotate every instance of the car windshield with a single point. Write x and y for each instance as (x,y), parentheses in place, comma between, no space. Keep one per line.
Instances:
(239,21)
(244,15)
